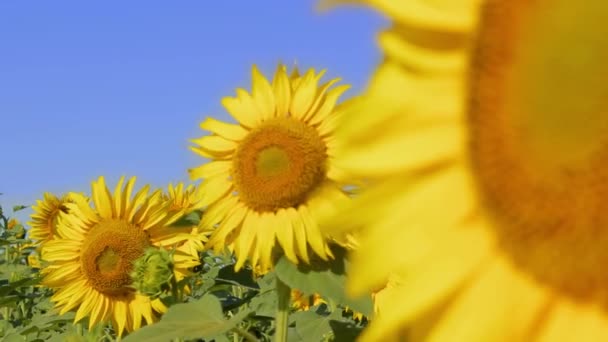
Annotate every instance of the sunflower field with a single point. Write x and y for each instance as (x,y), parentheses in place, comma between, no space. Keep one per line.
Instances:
(238,257)
(459,197)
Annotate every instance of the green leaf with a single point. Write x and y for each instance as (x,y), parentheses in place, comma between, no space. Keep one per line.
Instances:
(325,278)
(265,302)
(345,331)
(313,325)
(16,208)
(190,219)
(310,327)
(201,319)
(13,338)
(243,277)
(46,321)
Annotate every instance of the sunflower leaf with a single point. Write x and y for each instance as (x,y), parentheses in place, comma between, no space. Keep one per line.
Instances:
(200,319)
(190,219)
(327,278)
(16,208)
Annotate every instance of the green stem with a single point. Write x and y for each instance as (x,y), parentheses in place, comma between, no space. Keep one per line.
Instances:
(176,291)
(238,293)
(282,318)
(79,329)
(246,334)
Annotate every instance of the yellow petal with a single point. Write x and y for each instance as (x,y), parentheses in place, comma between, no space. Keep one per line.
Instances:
(215,145)
(136,310)
(241,110)
(100,311)
(299,231)
(328,105)
(284,233)
(120,316)
(138,200)
(303,95)
(126,197)
(313,233)
(224,129)
(266,236)
(102,198)
(211,169)
(423,148)
(328,200)
(402,100)
(246,236)
(417,232)
(318,100)
(232,221)
(450,15)
(146,309)
(505,304)
(262,94)
(215,188)
(423,59)
(215,213)
(282,90)
(428,282)
(571,322)
(117,203)
(87,304)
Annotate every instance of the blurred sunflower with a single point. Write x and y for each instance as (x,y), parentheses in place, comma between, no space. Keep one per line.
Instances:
(12,223)
(15,228)
(300,302)
(488,208)
(44,219)
(271,172)
(33,260)
(356,315)
(92,255)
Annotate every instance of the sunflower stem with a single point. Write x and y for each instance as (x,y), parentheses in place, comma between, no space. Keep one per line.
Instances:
(176,291)
(282,318)
(247,336)
(79,329)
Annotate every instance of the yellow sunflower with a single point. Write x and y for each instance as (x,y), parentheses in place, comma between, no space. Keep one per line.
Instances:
(187,199)
(300,302)
(44,219)
(272,172)
(485,132)
(12,223)
(94,249)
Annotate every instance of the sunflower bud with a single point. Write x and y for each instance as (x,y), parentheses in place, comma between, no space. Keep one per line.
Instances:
(33,260)
(152,272)
(15,228)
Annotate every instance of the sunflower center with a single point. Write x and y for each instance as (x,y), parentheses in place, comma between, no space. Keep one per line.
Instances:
(539,144)
(108,254)
(278,164)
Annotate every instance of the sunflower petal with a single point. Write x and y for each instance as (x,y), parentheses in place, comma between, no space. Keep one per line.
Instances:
(224,129)
(282,91)
(262,93)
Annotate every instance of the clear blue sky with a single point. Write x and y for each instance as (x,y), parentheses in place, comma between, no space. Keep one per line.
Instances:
(90,88)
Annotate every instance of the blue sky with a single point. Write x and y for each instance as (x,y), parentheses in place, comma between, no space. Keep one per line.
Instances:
(118,87)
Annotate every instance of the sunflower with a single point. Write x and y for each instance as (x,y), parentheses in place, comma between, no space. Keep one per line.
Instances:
(487,209)
(94,249)
(272,172)
(182,197)
(187,199)
(44,219)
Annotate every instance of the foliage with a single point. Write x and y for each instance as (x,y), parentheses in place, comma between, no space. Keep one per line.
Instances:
(222,305)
